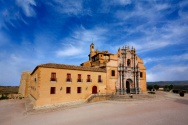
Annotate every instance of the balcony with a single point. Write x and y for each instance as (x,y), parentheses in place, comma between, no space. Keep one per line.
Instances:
(53,79)
(79,80)
(69,80)
(99,80)
(88,80)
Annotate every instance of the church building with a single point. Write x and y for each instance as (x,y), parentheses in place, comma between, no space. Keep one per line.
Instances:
(103,74)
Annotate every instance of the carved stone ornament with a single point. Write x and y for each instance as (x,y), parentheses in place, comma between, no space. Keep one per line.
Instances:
(129,75)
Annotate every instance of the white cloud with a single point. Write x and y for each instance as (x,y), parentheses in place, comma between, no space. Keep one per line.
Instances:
(3,38)
(172,33)
(117,2)
(124,2)
(160,7)
(12,65)
(27,7)
(9,17)
(70,7)
(167,73)
(75,45)
(69,51)
(174,58)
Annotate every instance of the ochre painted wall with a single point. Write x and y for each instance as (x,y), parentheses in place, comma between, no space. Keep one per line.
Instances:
(44,84)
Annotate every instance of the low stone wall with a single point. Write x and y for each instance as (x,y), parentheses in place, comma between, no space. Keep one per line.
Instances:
(15,96)
(96,98)
(11,96)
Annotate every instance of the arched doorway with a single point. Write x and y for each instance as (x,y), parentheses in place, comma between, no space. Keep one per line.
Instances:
(128,83)
(94,90)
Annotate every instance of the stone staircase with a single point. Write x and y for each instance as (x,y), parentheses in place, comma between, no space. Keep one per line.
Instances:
(128,97)
(97,97)
(28,105)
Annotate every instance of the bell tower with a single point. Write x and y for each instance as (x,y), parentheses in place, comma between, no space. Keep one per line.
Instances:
(92,50)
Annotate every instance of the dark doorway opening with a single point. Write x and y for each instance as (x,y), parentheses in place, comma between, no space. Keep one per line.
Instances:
(128,86)
(94,90)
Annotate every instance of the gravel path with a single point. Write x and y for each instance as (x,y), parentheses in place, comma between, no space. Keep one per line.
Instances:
(164,109)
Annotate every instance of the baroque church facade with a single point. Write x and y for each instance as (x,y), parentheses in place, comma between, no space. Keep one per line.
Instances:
(103,74)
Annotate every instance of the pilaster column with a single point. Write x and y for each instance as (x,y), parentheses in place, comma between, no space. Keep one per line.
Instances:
(120,82)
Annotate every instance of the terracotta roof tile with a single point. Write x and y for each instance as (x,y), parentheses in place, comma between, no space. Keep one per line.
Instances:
(71,67)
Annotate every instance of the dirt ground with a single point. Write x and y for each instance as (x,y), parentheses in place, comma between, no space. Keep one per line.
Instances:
(165,109)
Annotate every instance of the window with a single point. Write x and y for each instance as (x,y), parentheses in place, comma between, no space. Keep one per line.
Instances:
(68,90)
(79,78)
(79,89)
(128,62)
(88,78)
(35,79)
(99,78)
(69,77)
(141,74)
(53,76)
(52,90)
(113,73)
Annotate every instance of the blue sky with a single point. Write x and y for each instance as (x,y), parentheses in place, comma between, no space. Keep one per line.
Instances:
(34,32)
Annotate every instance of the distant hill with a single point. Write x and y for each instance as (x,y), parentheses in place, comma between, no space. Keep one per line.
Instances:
(168,83)
(9,89)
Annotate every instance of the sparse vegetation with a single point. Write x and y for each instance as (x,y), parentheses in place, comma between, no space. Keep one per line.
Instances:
(175,91)
(181,93)
(4,96)
(8,92)
(149,87)
(168,87)
(151,92)
(156,87)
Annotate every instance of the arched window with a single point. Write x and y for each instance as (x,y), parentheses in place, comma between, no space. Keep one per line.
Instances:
(128,62)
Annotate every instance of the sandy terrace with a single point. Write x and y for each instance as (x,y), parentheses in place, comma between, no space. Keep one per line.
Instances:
(164,109)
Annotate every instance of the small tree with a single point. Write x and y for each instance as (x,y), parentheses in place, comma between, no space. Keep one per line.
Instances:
(4,96)
(156,87)
(171,87)
(166,88)
(149,87)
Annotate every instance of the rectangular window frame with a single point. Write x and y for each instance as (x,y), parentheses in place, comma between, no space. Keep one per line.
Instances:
(79,78)
(99,79)
(53,76)
(68,79)
(141,74)
(68,90)
(53,90)
(79,90)
(89,78)
(113,73)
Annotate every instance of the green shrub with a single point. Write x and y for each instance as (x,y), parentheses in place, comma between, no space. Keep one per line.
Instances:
(184,91)
(181,93)
(175,91)
(151,92)
(156,87)
(178,91)
(149,87)
(4,96)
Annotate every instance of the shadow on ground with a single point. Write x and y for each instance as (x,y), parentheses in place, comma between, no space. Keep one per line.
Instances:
(182,101)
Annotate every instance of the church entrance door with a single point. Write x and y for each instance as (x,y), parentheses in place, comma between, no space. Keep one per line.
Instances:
(128,86)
